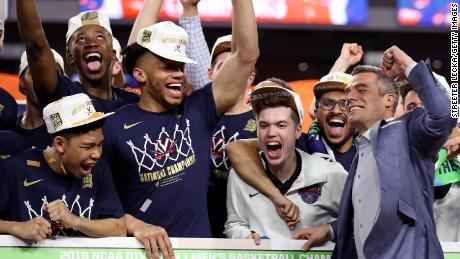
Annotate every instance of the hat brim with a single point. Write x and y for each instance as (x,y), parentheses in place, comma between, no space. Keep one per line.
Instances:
(171,56)
(93,118)
(220,48)
(323,87)
(260,93)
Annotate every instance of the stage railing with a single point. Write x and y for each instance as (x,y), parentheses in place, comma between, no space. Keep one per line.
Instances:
(184,248)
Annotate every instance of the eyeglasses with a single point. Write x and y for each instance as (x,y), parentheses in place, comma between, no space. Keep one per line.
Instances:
(329,104)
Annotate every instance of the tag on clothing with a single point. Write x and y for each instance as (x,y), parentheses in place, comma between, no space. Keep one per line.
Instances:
(146,205)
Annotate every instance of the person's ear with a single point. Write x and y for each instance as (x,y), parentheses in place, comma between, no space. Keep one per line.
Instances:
(209,73)
(390,100)
(69,56)
(59,144)
(298,131)
(140,75)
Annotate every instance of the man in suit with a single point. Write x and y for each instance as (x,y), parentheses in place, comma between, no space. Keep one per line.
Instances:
(386,207)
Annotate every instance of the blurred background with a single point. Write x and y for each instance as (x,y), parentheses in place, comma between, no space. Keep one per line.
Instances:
(299,39)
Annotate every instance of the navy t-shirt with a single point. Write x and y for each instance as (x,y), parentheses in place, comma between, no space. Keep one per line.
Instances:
(28,183)
(160,162)
(229,128)
(345,159)
(11,143)
(66,87)
(38,138)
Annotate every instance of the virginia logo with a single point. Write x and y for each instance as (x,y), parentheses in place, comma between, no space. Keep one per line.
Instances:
(310,194)
(157,152)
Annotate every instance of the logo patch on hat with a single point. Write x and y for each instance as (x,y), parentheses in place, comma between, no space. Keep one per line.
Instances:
(310,194)
(56,120)
(90,18)
(146,35)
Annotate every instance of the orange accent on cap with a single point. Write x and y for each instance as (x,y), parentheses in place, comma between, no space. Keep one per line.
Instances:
(92,116)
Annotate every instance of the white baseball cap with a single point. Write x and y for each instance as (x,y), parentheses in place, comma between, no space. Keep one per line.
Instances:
(261,92)
(166,40)
(87,18)
(222,44)
(117,47)
(70,112)
(24,64)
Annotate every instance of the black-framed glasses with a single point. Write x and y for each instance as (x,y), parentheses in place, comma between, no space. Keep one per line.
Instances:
(329,104)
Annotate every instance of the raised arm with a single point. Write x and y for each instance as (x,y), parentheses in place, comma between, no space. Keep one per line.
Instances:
(147,16)
(197,48)
(428,133)
(350,55)
(230,82)
(247,164)
(39,55)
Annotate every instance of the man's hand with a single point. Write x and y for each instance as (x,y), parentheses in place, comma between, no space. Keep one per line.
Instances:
(154,237)
(35,229)
(453,147)
(351,53)
(254,236)
(287,210)
(59,212)
(190,7)
(315,235)
(395,62)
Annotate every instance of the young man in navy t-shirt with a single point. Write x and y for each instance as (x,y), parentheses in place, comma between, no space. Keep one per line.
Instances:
(88,49)
(159,148)
(63,190)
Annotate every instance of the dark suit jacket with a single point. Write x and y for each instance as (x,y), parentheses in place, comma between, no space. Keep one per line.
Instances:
(405,150)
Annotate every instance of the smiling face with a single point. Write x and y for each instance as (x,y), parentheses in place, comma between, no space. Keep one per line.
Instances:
(333,121)
(163,78)
(277,132)
(80,152)
(366,105)
(90,52)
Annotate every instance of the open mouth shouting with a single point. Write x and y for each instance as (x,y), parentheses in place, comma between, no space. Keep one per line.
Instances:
(274,149)
(93,61)
(174,89)
(87,168)
(335,125)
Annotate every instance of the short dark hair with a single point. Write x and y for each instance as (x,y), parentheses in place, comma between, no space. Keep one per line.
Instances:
(276,101)
(72,132)
(131,54)
(385,84)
